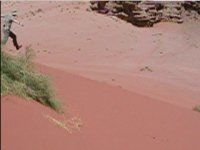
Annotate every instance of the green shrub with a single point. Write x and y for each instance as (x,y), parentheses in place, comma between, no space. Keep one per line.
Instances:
(19,78)
(197,108)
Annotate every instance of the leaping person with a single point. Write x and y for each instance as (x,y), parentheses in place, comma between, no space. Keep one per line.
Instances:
(8,20)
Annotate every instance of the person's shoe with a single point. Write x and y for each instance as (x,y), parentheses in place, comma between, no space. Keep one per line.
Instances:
(20,46)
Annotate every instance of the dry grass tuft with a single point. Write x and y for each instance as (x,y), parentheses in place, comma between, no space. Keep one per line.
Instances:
(70,125)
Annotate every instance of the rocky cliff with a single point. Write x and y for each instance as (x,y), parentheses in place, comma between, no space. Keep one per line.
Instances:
(147,13)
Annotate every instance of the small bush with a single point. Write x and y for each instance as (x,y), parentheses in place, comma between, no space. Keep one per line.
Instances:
(146,68)
(19,78)
(197,108)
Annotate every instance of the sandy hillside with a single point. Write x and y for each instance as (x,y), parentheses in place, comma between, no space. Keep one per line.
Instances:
(132,87)
(112,118)
(161,62)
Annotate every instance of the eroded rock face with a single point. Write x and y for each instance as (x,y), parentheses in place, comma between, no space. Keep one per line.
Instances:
(191,5)
(145,13)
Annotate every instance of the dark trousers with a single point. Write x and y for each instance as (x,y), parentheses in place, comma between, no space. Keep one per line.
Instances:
(14,39)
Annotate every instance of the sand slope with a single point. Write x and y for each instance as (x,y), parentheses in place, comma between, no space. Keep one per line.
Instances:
(113,118)
(66,36)
(97,66)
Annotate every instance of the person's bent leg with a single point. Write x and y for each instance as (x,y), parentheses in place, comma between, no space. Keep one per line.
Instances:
(14,38)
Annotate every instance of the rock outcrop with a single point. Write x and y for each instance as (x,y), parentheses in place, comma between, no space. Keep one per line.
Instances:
(145,13)
(192,5)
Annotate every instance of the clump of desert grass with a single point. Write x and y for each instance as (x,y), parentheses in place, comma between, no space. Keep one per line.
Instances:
(197,108)
(18,77)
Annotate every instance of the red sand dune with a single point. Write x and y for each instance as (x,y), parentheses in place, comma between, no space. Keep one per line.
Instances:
(66,36)
(71,42)
(113,118)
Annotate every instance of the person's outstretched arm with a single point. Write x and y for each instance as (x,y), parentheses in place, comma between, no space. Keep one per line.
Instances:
(19,23)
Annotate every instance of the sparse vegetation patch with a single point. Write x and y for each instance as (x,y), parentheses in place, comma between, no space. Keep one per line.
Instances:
(19,78)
